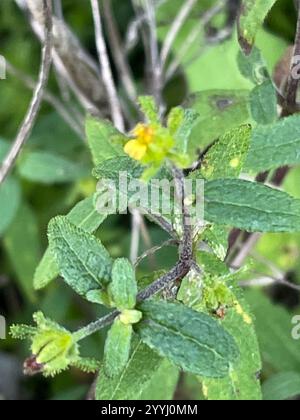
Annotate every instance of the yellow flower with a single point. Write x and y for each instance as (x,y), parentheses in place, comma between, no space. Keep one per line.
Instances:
(137,147)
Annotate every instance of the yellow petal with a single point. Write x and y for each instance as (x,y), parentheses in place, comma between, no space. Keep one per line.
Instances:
(135,149)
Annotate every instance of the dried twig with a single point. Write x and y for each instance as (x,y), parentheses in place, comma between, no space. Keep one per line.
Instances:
(118,52)
(175,28)
(106,69)
(191,39)
(246,248)
(74,124)
(153,250)
(35,104)
(290,105)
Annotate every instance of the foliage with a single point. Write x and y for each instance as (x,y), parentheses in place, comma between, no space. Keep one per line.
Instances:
(178,311)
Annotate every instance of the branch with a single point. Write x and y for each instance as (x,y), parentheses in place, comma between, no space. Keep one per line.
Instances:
(106,69)
(290,105)
(70,59)
(118,52)
(192,38)
(175,28)
(177,273)
(50,98)
(35,104)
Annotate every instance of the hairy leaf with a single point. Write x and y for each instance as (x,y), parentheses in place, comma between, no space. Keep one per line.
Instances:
(242,383)
(104,139)
(85,216)
(193,341)
(225,159)
(123,287)
(130,383)
(251,206)
(275,145)
(117,348)
(83,261)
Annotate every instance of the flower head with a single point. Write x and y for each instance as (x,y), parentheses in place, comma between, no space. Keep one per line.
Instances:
(53,347)
(143,137)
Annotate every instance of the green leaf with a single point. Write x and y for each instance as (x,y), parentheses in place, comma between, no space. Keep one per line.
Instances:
(83,261)
(253,14)
(282,386)
(22,243)
(123,287)
(216,238)
(193,341)
(251,206)
(10,197)
(253,67)
(117,348)
(104,139)
(53,134)
(275,145)
(85,216)
(130,383)
(49,168)
(273,326)
(219,111)
(242,383)
(263,103)
(225,159)
(163,383)
(149,109)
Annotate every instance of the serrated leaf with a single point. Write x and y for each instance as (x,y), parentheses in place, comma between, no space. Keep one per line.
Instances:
(219,111)
(22,243)
(10,197)
(191,340)
(85,216)
(282,386)
(123,287)
(263,103)
(242,383)
(251,206)
(83,261)
(117,348)
(225,159)
(49,168)
(140,368)
(104,140)
(275,145)
(251,18)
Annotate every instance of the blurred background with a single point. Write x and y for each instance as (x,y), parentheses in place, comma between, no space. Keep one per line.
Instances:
(53,174)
